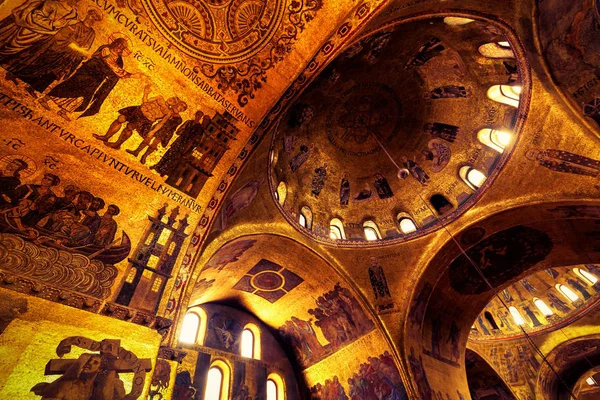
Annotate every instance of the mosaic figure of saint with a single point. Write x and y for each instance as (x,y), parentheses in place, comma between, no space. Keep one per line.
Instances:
(364,194)
(344,191)
(56,56)
(186,134)
(416,171)
(378,281)
(10,179)
(383,188)
(580,288)
(318,180)
(531,314)
(300,158)
(558,303)
(31,22)
(139,118)
(87,89)
(432,48)
(443,131)
(564,161)
(438,153)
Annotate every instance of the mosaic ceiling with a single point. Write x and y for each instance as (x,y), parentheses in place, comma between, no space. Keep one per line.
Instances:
(382,130)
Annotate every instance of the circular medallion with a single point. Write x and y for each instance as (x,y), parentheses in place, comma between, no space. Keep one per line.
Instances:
(267,281)
(365,114)
(217,31)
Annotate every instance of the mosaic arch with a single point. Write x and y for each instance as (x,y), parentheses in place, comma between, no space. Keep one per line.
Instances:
(406,128)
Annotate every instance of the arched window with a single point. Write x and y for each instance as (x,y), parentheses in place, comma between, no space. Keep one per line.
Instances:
(567,292)
(247,343)
(217,382)
(336,229)
(250,342)
(472,177)
(193,328)
(281,193)
(371,231)
(544,309)
(406,223)
(457,21)
(496,50)
(214,384)
(516,315)
(490,319)
(586,276)
(306,217)
(505,94)
(441,204)
(189,328)
(275,387)
(495,139)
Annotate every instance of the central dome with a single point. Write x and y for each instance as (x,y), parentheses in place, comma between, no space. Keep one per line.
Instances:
(403,129)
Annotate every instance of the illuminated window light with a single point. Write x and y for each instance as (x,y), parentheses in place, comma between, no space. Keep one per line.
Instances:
(505,94)
(302,220)
(271,390)
(589,278)
(371,231)
(370,234)
(567,292)
(247,343)
(504,44)
(591,381)
(189,328)
(306,217)
(457,21)
(336,229)
(516,316)
(472,177)
(213,384)
(275,387)
(495,139)
(544,309)
(407,225)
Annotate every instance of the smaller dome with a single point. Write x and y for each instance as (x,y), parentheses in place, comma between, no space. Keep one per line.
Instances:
(542,301)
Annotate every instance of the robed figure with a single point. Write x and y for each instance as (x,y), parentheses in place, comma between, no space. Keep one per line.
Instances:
(94,80)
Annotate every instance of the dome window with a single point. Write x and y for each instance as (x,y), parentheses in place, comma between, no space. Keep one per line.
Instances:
(457,21)
(586,276)
(306,217)
(505,94)
(567,292)
(405,223)
(495,139)
(472,177)
(336,229)
(441,204)
(516,316)
(543,307)
(371,231)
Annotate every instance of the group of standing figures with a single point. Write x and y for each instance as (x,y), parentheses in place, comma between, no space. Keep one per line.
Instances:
(46,45)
